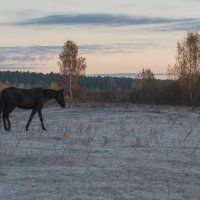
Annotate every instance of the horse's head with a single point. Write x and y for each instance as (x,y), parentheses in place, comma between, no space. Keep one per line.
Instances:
(60,98)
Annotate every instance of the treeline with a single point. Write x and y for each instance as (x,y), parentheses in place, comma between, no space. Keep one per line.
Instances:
(28,79)
(105,83)
(103,89)
(151,91)
(33,79)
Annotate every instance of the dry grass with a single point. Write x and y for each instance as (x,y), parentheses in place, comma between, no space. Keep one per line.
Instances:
(134,152)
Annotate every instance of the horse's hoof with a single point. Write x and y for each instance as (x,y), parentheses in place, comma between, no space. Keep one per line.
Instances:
(44,129)
(6,129)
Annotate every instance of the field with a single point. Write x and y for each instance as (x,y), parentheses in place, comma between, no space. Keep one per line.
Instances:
(127,152)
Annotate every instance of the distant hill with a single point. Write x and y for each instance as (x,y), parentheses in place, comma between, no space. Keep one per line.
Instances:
(129,75)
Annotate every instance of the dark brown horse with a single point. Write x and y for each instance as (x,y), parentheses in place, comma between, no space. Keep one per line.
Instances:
(28,99)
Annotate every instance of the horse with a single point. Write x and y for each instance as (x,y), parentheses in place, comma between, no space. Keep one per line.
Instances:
(34,99)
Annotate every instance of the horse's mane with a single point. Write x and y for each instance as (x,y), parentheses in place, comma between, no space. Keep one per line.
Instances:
(49,93)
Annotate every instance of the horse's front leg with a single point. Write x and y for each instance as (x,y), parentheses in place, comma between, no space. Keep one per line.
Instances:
(41,119)
(4,122)
(31,117)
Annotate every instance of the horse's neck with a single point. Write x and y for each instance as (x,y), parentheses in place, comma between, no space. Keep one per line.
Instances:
(49,94)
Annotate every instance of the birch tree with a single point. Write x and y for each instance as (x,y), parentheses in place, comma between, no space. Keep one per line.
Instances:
(187,67)
(71,66)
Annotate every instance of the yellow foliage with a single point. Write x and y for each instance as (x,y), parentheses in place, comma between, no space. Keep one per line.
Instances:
(54,86)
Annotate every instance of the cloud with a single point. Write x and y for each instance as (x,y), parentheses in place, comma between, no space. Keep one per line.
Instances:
(20,67)
(117,47)
(3,58)
(25,59)
(193,25)
(32,57)
(28,54)
(30,50)
(97,19)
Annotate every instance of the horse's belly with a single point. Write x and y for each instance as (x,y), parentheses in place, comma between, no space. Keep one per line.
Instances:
(25,107)
(25,104)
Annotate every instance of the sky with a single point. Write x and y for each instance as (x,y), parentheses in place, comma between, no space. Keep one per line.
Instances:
(115,36)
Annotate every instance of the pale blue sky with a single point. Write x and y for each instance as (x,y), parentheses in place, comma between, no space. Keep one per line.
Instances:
(114,35)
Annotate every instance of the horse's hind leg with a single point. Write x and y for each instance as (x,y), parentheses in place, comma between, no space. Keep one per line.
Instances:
(6,113)
(41,119)
(30,118)
(4,117)
(9,124)
(4,122)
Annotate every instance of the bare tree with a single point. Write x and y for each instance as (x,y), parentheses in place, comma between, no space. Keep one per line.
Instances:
(112,86)
(71,66)
(146,76)
(146,86)
(187,67)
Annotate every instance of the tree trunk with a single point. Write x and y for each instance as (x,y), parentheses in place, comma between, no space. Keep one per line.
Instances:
(191,93)
(70,86)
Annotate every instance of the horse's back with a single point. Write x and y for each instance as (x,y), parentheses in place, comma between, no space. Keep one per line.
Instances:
(9,93)
(22,98)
